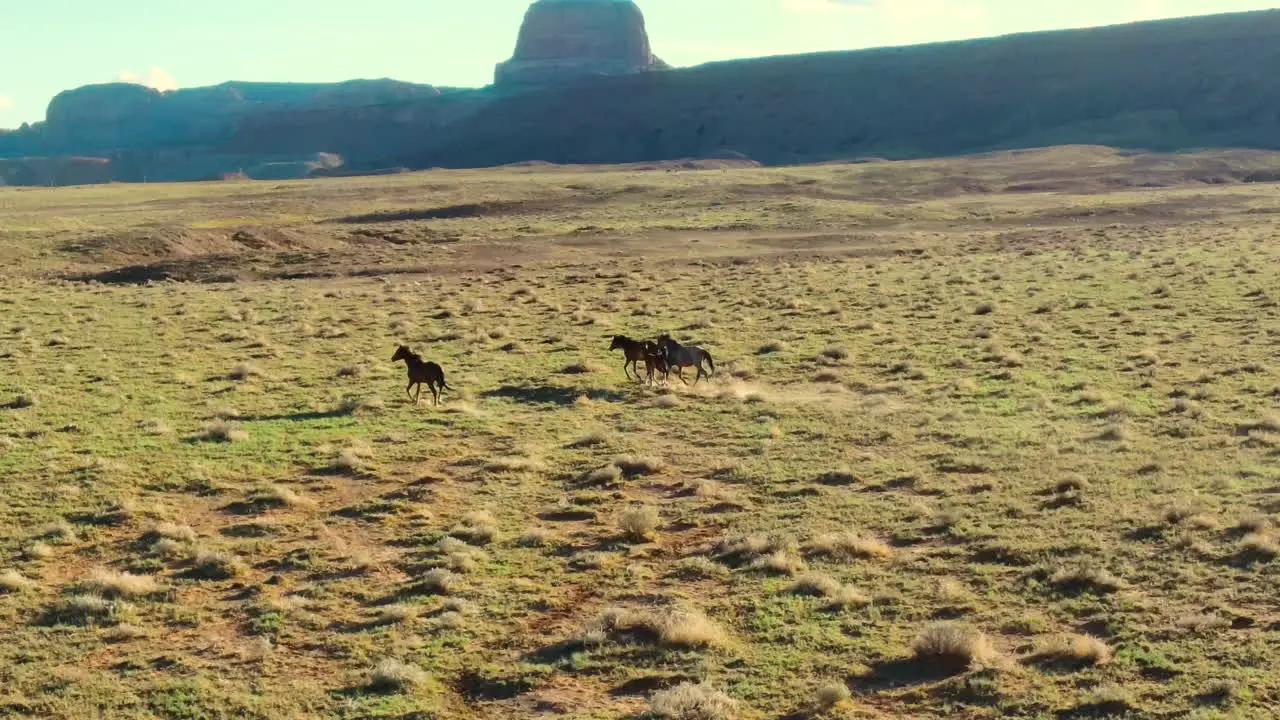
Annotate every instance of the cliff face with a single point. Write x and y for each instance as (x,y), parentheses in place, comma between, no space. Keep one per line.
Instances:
(562,40)
(1192,83)
(1167,85)
(104,119)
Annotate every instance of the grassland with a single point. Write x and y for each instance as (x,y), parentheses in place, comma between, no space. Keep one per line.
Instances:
(974,449)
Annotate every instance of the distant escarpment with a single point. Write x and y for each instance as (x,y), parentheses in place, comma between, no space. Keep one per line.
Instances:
(568,97)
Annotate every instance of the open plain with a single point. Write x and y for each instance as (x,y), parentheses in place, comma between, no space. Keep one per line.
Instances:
(993,436)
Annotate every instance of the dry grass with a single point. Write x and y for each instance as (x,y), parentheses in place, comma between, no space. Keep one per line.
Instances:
(673,627)
(440,581)
(595,438)
(392,675)
(955,440)
(781,562)
(666,402)
(1085,578)
(1071,649)
(12,581)
(88,610)
(536,538)
(1258,547)
(357,405)
(1108,700)
(1255,523)
(349,462)
(38,551)
(59,530)
(281,496)
(111,584)
(245,371)
(640,523)
(848,546)
(171,531)
(636,465)
(479,527)
(829,695)
(687,701)
(217,565)
(606,476)
(814,585)
(847,598)
(583,367)
(954,646)
(513,464)
(221,431)
(396,614)
(742,549)
(687,628)
(700,568)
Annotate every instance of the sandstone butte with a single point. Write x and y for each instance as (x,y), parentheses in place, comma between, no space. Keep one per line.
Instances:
(561,40)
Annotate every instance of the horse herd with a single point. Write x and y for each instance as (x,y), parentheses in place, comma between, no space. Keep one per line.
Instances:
(660,356)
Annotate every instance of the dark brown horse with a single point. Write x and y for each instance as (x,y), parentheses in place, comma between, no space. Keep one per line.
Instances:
(421,371)
(655,361)
(633,351)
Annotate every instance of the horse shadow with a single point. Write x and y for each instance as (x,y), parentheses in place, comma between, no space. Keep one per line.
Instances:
(550,394)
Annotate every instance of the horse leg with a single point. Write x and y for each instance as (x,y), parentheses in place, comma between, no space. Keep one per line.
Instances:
(700,374)
(409,390)
(626,362)
(680,374)
(435,396)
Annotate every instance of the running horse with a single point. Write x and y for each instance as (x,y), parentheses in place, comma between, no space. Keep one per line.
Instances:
(679,357)
(421,371)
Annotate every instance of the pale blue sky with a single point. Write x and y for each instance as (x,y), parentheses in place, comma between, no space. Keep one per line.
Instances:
(52,45)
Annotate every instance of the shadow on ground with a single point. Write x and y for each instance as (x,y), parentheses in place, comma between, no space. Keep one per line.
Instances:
(550,395)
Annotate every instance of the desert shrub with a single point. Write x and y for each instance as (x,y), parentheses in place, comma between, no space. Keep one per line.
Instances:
(395,676)
(639,523)
(693,702)
(954,647)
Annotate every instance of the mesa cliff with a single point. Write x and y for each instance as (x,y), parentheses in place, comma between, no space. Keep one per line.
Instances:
(585,86)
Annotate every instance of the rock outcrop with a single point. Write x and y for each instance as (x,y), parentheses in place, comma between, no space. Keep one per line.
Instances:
(1166,85)
(563,40)
(114,117)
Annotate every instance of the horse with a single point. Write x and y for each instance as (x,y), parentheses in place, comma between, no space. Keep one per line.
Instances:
(679,357)
(655,361)
(420,372)
(633,351)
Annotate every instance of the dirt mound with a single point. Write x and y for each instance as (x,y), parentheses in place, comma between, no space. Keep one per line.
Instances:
(177,243)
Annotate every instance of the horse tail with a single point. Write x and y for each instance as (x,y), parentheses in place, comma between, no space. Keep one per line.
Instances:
(710,362)
(443,385)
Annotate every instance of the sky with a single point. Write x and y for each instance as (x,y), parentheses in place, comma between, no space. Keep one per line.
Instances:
(54,45)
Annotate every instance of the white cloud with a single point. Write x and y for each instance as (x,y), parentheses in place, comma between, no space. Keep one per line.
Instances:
(154,77)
